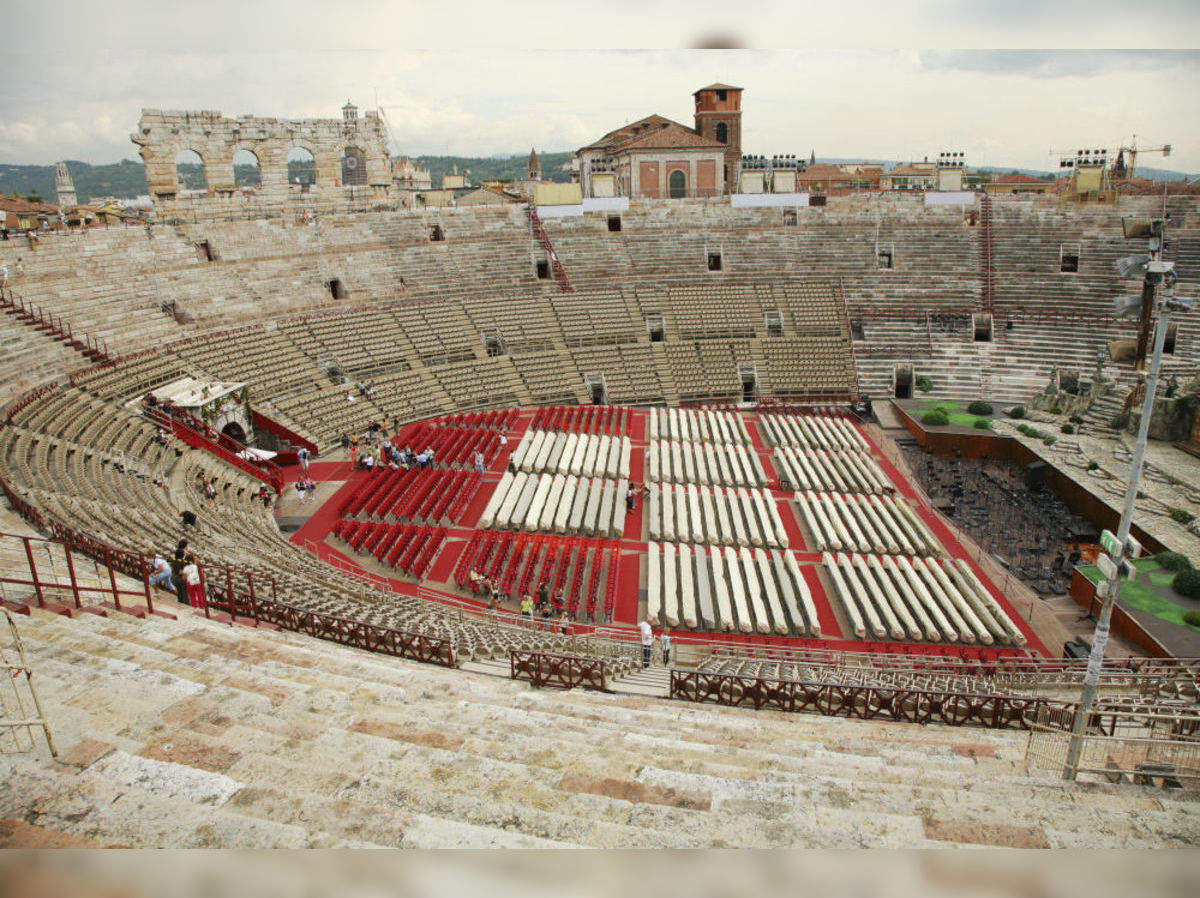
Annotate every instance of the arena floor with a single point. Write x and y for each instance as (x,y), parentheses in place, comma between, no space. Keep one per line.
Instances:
(315,534)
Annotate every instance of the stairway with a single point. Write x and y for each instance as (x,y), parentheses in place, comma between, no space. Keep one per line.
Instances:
(195,733)
(54,326)
(556,267)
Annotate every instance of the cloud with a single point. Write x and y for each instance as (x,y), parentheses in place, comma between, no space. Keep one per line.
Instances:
(1057,63)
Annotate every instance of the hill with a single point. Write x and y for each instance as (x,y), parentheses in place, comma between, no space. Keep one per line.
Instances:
(505,167)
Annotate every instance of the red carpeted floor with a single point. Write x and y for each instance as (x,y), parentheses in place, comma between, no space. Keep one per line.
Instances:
(633,547)
(628,583)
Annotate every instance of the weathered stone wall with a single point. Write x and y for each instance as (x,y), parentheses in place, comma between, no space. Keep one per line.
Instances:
(162,135)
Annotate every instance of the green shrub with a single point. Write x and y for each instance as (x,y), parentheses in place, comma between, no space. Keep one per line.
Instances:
(1076,419)
(1182,516)
(1173,561)
(982,424)
(1093,465)
(1068,428)
(1056,410)
(935,418)
(979,407)
(1050,440)
(1017,412)
(1141,495)
(924,384)
(1117,422)
(1187,583)
(1192,618)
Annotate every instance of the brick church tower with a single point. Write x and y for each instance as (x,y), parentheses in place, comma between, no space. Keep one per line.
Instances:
(719,117)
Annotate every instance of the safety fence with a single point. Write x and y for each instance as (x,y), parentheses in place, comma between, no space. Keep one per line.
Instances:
(1161,748)
(563,671)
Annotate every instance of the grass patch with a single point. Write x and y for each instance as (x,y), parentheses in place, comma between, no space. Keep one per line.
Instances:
(1151,592)
(955,413)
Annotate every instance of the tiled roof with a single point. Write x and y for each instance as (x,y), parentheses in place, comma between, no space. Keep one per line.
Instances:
(17,204)
(1019,178)
(653,132)
(717,86)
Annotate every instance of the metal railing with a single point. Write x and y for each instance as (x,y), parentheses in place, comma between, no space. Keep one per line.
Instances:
(562,671)
(1157,748)
(20,708)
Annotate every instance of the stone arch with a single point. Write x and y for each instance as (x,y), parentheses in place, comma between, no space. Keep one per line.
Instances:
(189,169)
(354,167)
(247,168)
(301,164)
(677,183)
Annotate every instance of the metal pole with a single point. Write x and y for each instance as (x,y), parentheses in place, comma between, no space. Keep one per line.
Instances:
(1100,637)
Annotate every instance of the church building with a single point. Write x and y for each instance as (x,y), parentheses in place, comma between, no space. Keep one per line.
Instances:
(656,157)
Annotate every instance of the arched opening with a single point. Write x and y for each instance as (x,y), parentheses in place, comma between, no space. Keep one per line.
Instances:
(189,171)
(722,132)
(246,170)
(233,431)
(354,167)
(677,184)
(301,167)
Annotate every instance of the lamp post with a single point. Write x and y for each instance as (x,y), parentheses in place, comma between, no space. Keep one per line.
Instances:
(1157,275)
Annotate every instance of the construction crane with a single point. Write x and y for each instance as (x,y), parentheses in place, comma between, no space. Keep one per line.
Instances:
(1127,158)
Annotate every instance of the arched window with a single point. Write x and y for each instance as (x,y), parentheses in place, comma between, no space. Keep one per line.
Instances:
(246,170)
(677,184)
(189,171)
(301,167)
(354,166)
(722,132)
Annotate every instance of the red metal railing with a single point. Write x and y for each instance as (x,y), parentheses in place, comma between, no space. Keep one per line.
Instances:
(550,669)
(556,267)
(198,435)
(93,348)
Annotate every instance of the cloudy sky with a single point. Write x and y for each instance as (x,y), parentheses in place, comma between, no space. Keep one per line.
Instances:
(79,93)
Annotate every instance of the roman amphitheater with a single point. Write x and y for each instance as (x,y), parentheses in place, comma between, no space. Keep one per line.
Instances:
(851,665)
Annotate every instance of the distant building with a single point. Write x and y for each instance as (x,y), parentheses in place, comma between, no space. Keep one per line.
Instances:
(19,214)
(454,179)
(1018,183)
(408,175)
(535,167)
(657,157)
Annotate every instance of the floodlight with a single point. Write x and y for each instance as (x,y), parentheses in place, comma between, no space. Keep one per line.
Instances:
(1180,304)
(1132,266)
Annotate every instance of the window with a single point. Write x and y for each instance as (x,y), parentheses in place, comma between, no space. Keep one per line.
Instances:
(614,224)
(677,184)
(721,96)
(1169,341)
(789,218)
(543,270)
(1068,259)
(335,287)
(773,322)
(301,167)
(655,328)
(816,200)
(354,167)
(884,258)
(983,328)
(722,132)
(246,170)
(436,234)
(714,261)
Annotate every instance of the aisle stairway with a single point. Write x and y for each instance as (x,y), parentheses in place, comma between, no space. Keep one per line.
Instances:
(193,733)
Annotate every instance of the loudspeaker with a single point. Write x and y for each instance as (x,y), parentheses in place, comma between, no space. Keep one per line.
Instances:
(1035,475)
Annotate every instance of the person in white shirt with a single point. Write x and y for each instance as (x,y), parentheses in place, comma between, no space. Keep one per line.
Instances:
(161,573)
(665,640)
(191,575)
(647,636)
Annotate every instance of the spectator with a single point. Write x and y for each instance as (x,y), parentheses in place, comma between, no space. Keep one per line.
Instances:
(191,573)
(647,637)
(630,499)
(20,266)
(345,445)
(302,456)
(178,560)
(264,493)
(564,624)
(395,426)
(665,640)
(160,573)
(479,462)
(527,605)
(188,518)
(210,490)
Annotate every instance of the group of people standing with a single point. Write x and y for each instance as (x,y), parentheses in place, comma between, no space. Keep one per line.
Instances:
(180,575)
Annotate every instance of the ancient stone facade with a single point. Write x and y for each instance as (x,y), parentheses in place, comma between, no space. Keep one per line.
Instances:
(64,186)
(350,158)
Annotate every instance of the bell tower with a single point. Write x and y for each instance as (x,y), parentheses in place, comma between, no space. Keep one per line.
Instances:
(719,118)
(64,186)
